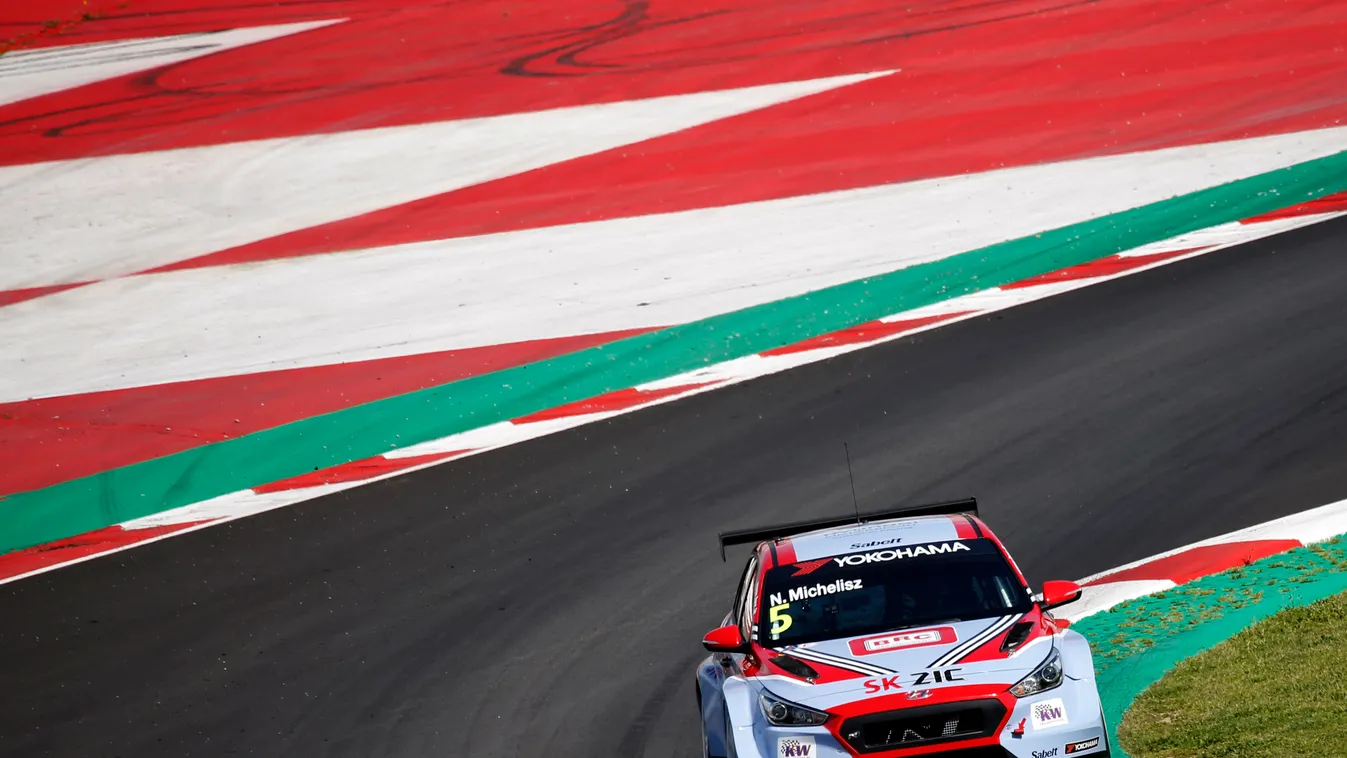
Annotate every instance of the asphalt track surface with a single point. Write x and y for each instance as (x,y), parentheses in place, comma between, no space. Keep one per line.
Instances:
(548,599)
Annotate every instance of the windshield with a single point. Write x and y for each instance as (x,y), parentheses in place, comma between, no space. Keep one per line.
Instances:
(882,590)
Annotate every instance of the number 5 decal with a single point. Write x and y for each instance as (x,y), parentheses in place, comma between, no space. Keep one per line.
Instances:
(780,621)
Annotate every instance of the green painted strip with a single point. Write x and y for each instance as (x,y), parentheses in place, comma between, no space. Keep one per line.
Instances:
(360,432)
(1137,642)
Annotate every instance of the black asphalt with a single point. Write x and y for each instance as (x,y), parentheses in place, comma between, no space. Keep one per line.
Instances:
(548,599)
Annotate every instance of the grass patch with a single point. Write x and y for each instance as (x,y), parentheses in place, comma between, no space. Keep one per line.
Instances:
(1275,689)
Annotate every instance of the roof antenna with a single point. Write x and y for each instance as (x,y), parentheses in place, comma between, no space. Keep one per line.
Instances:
(855,504)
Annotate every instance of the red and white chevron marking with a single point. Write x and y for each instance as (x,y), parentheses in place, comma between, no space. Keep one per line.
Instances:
(1171,569)
(1104,590)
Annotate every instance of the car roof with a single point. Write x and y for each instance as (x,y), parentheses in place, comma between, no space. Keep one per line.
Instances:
(874,535)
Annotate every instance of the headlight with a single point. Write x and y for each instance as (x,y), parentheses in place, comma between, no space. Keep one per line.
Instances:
(1047,676)
(781,713)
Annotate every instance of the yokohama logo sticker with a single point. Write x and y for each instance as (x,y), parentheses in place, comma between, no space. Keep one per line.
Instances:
(883,643)
(881,556)
(1078,747)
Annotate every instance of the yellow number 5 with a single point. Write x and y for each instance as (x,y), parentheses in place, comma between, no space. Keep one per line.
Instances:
(780,621)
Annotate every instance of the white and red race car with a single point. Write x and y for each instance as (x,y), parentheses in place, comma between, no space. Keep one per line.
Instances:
(895,634)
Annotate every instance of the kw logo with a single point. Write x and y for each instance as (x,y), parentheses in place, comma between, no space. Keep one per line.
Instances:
(795,747)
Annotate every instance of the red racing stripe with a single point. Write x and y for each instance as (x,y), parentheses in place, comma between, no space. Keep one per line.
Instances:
(1201,561)
(1328,204)
(898,128)
(1110,266)
(9,297)
(80,546)
(1063,79)
(612,401)
(867,332)
(67,437)
(353,472)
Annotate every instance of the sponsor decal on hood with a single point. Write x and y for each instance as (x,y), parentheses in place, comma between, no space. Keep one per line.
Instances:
(1048,713)
(795,747)
(1080,747)
(883,643)
(880,556)
(876,543)
(809,567)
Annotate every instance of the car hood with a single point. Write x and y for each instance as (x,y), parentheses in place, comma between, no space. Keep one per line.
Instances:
(963,654)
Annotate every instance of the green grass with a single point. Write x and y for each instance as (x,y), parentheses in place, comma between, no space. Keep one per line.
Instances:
(1278,688)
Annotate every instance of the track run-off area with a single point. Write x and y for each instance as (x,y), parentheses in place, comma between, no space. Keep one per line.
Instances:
(420,274)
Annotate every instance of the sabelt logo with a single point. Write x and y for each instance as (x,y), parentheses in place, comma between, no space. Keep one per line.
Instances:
(876,543)
(883,643)
(1044,753)
(1077,747)
(881,556)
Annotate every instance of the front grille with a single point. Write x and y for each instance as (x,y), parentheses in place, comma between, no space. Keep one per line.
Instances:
(925,725)
(986,751)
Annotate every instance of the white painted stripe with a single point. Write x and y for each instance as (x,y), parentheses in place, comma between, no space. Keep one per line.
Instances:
(815,656)
(30,73)
(237,505)
(496,435)
(1227,234)
(89,219)
(1097,598)
(1315,525)
(975,642)
(503,288)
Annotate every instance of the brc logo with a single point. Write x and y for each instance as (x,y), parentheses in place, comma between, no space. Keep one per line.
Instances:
(795,747)
(941,635)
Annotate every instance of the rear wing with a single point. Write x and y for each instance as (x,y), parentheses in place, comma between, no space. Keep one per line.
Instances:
(745,536)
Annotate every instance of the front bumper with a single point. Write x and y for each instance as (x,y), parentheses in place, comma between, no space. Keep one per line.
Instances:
(1042,726)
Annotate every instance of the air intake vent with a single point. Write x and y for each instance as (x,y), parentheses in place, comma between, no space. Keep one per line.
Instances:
(1017,635)
(795,666)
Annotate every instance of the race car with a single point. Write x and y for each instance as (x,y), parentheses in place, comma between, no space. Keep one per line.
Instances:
(901,633)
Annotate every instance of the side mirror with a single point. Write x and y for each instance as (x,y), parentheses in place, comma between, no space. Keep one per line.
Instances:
(1057,593)
(726,639)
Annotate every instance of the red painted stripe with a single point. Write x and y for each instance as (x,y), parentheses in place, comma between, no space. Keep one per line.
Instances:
(1059,73)
(785,553)
(1328,204)
(1064,99)
(80,546)
(867,332)
(9,297)
(353,472)
(963,528)
(1202,561)
(613,401)
(1114,264)
(67,437)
